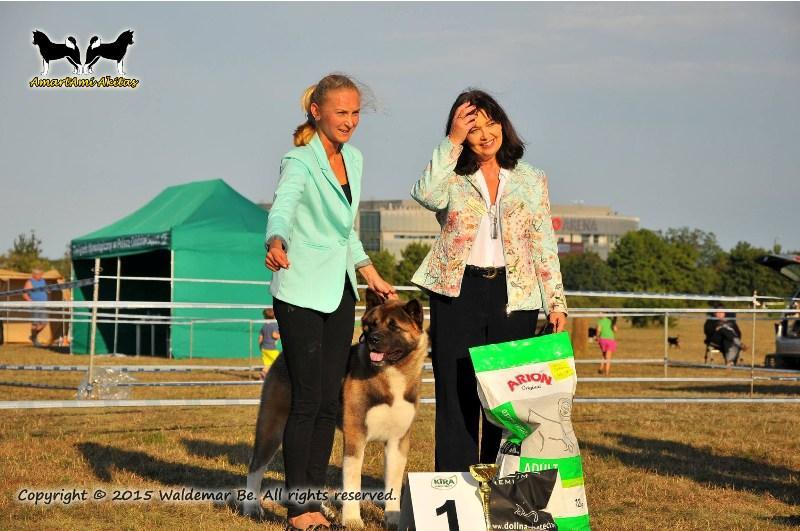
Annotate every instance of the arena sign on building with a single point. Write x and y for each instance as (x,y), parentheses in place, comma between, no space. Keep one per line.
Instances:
(582,228)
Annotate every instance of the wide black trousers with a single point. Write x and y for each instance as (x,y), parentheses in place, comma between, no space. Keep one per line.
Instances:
(476,317)
(316,346)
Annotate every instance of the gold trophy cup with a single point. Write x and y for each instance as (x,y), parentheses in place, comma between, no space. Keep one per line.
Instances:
(483,474)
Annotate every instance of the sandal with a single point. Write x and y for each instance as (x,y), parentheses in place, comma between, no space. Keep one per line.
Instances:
(324,524)
(312,523)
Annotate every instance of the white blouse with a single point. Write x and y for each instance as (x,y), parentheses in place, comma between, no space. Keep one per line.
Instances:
(487,250)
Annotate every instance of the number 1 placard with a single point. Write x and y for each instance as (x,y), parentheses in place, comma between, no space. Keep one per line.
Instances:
(441,501)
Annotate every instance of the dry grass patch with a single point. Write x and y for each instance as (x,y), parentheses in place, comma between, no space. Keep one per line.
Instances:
(682,467)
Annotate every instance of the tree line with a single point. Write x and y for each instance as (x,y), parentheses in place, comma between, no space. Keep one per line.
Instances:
(675,261)
(25,254)
(681,260)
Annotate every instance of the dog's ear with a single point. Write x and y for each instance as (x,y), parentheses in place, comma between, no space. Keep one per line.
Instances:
(414,309)
(372,299)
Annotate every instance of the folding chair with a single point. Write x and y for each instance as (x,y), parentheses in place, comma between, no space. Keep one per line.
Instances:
(710,351)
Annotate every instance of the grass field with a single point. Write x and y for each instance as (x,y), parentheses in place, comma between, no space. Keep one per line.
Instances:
(650,466)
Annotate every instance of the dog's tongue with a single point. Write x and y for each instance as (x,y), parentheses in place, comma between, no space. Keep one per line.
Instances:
(376,356)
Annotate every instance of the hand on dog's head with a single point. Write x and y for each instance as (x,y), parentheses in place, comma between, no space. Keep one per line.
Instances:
(413,307)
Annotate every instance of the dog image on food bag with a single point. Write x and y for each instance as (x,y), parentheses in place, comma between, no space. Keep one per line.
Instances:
(555,427)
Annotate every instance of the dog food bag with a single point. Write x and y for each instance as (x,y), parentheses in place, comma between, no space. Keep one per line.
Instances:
(517,501)
(526,387)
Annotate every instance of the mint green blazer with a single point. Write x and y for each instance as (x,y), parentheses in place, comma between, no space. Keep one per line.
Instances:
(312,217)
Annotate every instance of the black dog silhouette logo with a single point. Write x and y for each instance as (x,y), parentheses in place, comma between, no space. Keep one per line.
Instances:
(52,51)
(113,51)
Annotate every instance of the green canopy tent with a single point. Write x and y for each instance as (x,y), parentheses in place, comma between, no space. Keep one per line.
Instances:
(200,230)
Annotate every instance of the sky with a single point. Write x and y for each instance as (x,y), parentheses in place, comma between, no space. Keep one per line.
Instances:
(679,114)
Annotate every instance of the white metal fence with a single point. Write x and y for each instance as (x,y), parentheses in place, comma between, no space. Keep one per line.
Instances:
(64,311)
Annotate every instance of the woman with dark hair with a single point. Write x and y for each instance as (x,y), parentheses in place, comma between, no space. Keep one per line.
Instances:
(492,268)
(314,252)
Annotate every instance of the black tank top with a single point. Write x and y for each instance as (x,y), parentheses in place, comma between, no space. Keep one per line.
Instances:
(347,193)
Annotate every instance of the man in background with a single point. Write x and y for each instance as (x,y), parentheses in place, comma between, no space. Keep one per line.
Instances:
(39,294)
(723,334)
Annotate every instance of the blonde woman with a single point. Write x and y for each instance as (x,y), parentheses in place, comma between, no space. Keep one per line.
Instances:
(314,254)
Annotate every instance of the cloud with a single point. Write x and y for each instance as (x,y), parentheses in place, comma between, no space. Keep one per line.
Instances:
(624,47)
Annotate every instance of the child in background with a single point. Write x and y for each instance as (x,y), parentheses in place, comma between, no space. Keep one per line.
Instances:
(607,341)
(269,340)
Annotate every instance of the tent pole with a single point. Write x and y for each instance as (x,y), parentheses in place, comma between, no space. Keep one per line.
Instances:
(250,342)
(94,319)
(116,310)
(666,344)
(753,347)
(6,328)
(171,298)
(71,309)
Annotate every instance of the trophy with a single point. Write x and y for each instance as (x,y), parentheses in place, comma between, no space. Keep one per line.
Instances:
(483,474)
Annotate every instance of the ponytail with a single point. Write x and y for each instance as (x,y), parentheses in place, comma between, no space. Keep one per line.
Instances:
(306,130)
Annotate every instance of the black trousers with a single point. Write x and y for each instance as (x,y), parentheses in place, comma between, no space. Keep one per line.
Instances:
(316,347)
(476,317)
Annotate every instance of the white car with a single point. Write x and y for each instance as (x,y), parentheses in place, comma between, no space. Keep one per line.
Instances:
(787,331)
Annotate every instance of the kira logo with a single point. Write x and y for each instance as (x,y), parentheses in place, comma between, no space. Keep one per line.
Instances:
(442,483)
(533,377)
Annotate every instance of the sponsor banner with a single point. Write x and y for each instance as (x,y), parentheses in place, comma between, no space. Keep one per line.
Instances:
(122,245)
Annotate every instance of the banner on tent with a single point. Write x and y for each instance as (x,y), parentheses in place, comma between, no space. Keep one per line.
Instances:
(122,244)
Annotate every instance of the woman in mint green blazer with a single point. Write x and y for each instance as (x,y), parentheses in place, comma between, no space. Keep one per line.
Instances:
(314,252)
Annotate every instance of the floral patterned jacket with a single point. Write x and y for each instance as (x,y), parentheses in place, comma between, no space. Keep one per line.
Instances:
(533,276)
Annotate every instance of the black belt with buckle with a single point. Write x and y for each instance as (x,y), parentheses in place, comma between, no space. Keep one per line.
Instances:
(484,272)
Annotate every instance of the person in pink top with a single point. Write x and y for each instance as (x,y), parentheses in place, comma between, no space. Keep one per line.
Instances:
(607,339)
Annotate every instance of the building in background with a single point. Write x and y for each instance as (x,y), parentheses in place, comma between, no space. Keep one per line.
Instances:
(581,228)
(394,223)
